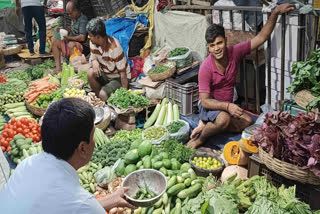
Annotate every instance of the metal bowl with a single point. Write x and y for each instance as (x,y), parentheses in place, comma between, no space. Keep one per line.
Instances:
(99,114)
(154,179)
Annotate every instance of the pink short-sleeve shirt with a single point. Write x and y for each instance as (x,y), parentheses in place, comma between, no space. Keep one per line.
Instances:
(221,85)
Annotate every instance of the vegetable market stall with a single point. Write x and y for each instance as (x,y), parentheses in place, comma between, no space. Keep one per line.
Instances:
(196,181)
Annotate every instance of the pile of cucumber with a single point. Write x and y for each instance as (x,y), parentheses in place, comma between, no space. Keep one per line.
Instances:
(22,148)
(86,176)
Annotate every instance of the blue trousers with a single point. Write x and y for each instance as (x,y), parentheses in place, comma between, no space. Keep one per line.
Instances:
(36,12)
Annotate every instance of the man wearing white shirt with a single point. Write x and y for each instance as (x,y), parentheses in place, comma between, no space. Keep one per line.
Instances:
(33,9)
(48,182)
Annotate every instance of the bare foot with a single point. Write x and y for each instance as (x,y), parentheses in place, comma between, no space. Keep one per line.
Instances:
(197,130)
(194,143)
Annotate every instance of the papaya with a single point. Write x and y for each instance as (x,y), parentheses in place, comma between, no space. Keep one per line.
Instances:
(233,154)
(132,157)
(145,148)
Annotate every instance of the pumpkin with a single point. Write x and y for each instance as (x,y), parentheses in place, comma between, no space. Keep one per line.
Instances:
(247,146)
(234,154)
(229,171)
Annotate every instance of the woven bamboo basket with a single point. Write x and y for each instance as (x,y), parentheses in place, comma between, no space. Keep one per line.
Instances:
(302,98)
(163,75)
(35,110)
(288,170)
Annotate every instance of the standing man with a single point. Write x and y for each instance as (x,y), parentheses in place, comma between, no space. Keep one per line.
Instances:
(48,182)
(77,35)
(33,9)
(217,79)
(110,69)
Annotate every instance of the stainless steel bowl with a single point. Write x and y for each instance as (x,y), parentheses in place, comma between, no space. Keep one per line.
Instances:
(99,114)
(154,179)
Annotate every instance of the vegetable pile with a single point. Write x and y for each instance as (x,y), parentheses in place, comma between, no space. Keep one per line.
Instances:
(307,76)
(178,52)
(176,150)
(39,87)
(206,163)
(175,126)
(144,193)
(3,79)
(295,140)
(45,99)
(127,136)
(100,138)
(37,71)
(22,147)
(83,75)
(154,133)
(17,111)
(26,127)
(2,122)
(122,98)
(67,72)
(108,153)
(73,92)
(92,99)
(21,75)
(86,176)
(159,69)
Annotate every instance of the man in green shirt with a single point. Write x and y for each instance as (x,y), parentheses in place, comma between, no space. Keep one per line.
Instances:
(77,35)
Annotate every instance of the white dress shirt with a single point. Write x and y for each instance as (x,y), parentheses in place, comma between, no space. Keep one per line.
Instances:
(26,3)
(43,184)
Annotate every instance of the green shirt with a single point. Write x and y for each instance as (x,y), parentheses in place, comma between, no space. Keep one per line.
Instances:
(78,27)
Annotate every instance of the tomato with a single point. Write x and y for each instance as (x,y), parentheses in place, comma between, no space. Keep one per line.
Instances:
(13,121)
(27,135)
(26,131)
(34,131)
(9,148)
(5,126)
(3,148)
(37,139)
(10,133)
(5,134)
(19,130)
(19,124)
(5,143)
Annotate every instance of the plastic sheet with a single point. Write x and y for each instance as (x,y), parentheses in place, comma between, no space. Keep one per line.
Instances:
(182,135)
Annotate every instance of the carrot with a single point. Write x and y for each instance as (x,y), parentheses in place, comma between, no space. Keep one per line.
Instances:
(33,97)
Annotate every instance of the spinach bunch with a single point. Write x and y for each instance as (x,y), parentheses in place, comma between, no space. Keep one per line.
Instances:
(122,98)
(307,77)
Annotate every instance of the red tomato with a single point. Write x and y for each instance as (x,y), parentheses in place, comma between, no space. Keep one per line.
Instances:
(38,139)
(19,130)
(5,126)
(9,148)
(19,124)
(13,121)
(5,143)
(5,134)
(27,136)
(3,148)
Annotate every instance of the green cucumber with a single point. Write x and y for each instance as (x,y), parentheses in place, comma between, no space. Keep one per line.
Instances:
(172,181)
(174,190)
(190,192)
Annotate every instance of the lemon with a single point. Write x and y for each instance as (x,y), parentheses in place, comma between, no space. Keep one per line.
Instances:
(204,158)
(209,158)
(195,158)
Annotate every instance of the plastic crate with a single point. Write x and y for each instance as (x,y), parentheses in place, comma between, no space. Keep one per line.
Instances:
(290,105)
(186,96)
(307,193)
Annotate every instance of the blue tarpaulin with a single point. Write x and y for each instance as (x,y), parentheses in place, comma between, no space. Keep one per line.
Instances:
(122,29)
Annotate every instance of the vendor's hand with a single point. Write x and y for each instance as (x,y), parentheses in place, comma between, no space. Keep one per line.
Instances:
(67,39)
(284,8)
(18,11)
(197,130)
(235,110)
(119,198)
(96,68)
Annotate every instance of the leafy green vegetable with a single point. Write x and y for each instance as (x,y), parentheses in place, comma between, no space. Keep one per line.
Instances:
(122,98)
(110,152)
(21,75)
(307,76)
(176,150)
(37,71)
(83,76)
(175,126)
(127,136)
(178,52)
(159,69)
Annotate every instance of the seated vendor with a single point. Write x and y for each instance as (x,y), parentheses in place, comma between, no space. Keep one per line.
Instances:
(77,36)
(217,79)
(110,69)
(48,182)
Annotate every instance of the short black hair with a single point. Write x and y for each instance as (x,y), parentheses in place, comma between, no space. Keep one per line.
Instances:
(213,31)
(66,123)
(96,27)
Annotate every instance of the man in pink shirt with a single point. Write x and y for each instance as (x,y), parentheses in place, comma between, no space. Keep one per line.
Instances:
(217,79)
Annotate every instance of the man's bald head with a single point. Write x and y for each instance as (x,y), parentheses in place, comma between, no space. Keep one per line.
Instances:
(72,10)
